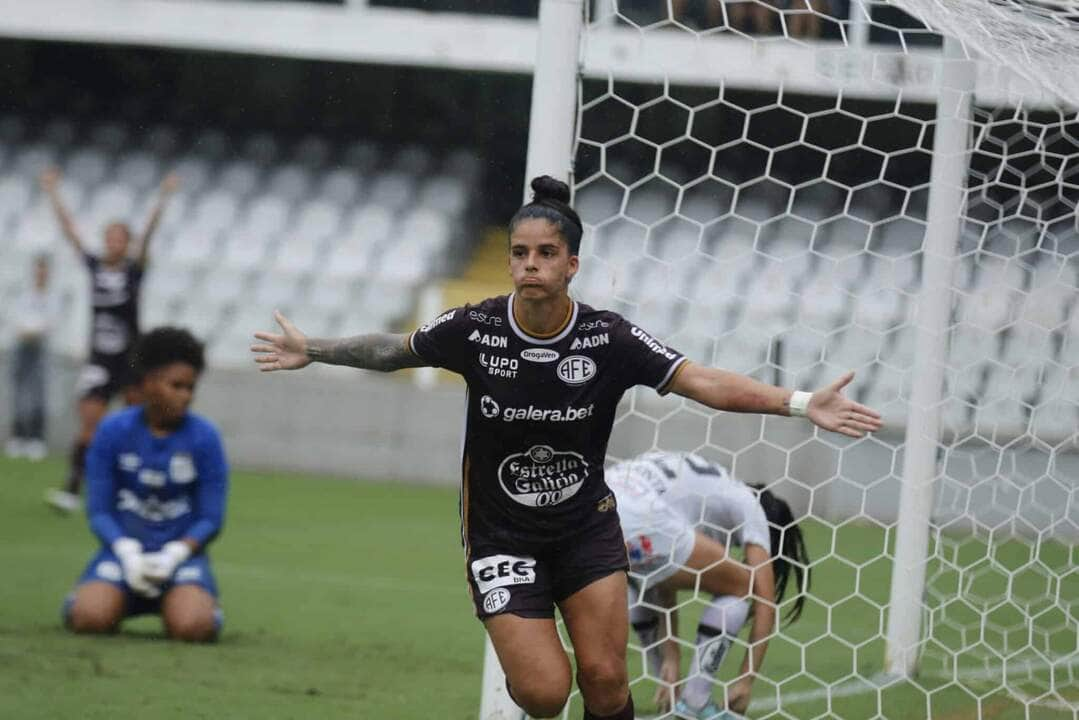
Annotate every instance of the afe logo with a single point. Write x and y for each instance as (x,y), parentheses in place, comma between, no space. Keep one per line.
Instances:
(576,370)
(496,600)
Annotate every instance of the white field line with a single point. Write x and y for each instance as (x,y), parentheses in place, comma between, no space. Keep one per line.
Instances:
(880,681)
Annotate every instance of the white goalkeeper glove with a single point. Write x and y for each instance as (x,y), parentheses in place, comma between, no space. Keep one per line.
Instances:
(129,552)
(158,567)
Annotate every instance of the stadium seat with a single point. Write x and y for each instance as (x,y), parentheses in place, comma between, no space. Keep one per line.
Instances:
(240,178)
(340,186)
(290,182)
(393,190)
(111,137)
(139,169)
(194,173)
(445,194)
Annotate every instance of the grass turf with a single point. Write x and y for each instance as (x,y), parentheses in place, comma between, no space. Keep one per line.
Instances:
(347,599)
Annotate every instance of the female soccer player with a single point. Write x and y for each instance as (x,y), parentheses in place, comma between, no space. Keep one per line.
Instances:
(679,515)
(155,497)
(545,374)
(115,279)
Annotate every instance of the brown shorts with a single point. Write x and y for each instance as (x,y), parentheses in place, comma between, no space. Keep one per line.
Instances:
(528,581)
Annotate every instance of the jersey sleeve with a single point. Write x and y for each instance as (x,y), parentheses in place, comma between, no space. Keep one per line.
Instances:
(442,342)
(755,524)
(212,492)
(101,484)
(643,359)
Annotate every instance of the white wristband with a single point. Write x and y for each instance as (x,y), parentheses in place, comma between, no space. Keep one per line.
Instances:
(800,403)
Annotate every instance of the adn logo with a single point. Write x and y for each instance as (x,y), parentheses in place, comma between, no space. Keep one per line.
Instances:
(539,355)
(496,600)
(591,341)
(576,370)
(496,341)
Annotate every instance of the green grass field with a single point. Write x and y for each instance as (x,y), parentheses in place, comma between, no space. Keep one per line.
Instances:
(347,599)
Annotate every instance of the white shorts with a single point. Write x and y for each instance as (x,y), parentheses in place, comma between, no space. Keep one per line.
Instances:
(659,540)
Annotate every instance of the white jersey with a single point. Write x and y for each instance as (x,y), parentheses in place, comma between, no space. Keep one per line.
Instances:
(702,493)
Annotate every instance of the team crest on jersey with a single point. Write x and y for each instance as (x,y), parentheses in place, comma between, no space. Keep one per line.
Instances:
(496,600)
(576,369)
(182,468)
(590,341)
(542,476)
(495,341)
(129,462)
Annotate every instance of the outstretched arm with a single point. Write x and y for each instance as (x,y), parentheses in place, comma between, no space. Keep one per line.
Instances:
(723,390)
(292,350)
(50,182)
(168,187)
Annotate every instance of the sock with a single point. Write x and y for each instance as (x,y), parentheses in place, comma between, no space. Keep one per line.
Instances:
(626,713)
(78,467)
(719,625)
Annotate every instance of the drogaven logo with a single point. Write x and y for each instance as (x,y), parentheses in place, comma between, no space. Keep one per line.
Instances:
(539,355)
(576,369)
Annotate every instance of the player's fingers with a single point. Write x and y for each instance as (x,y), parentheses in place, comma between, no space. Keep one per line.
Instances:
(842,381)
(269,337)
(263,348)
(864,410)
(265,359)
(863,426)
(284,322)
(268,367)
(873,421)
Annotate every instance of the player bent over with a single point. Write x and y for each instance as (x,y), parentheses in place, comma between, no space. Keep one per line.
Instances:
(539,526)
(156,486)
(680,514)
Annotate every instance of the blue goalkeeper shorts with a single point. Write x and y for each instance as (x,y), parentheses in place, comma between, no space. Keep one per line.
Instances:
(105,567)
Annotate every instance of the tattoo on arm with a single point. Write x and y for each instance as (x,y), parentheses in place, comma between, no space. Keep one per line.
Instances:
(384,352)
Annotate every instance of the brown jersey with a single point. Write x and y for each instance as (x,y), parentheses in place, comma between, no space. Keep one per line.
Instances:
(540,412)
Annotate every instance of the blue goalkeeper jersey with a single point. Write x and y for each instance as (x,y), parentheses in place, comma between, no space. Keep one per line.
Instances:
(155,489)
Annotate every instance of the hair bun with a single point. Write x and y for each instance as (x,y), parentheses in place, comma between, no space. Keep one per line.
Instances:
(546,187)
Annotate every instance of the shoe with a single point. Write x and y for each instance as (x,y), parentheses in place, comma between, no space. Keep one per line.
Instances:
(35,450)
(14,448)
(63,501)
(710,711)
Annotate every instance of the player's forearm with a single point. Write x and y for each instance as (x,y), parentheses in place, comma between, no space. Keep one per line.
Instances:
(66,223)
(106,528)
(732,392)
(383,352)
(764,616)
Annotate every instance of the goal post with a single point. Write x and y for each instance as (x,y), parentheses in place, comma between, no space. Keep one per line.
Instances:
(931,320)
(787,193)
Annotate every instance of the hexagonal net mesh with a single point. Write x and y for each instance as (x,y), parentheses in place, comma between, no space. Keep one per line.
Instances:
(768,215)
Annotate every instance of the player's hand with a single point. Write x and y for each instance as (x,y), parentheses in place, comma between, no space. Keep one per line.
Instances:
(829,409)
(287,351)
(50,179)
(738,695)
(170,184)
(129,552)
(159,567)
(666,690)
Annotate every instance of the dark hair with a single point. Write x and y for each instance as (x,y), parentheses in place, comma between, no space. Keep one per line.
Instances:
(164,346)
(550,201)
(788,549)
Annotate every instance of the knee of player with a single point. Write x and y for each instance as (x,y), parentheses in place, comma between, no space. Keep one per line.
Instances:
(542,697)
(85,617)
(603,677)
(191,626)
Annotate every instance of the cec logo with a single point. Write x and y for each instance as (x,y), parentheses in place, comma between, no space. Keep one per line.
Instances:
(576,369)
(496,600)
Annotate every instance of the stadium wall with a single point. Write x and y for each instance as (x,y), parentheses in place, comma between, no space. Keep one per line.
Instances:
(356,425)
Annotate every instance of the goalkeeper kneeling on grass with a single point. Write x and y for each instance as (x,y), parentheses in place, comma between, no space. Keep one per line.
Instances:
(156,486)
(679,514)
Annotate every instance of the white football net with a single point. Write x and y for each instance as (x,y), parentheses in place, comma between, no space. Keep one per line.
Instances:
(775,224)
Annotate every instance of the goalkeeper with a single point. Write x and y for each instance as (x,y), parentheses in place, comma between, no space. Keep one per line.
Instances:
(679,515)
(156,487)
